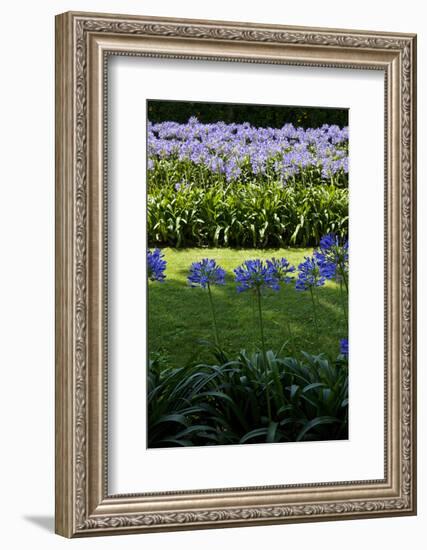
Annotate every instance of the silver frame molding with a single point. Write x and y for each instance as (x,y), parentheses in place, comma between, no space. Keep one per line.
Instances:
(83,43)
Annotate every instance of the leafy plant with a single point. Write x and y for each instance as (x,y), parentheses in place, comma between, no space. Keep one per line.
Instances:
(245,215)
(225,402)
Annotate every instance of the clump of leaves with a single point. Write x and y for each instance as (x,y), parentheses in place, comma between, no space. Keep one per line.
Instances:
(225,402)
(245,215)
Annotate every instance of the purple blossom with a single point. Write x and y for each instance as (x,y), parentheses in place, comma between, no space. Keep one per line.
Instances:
(255,275)
(281,269)
(156,265)
(332,256)
(310,274)
(206,272)
(238,149)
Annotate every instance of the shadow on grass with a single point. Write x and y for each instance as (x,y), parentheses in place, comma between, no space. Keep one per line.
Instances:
(180,316)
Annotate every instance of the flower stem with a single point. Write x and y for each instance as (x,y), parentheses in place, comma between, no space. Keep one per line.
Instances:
(254,321)
(344,277)
(264,352)
(343,302)
(291,335)
(316,326)
(213,316)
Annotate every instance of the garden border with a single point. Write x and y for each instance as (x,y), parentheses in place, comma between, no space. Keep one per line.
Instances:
(83,43)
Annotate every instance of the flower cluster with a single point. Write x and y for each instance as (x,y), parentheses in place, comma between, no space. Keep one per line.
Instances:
(310,274)
(280,269)
(254,274)
(206,272)
(332,256)
(230,149)
(156,265)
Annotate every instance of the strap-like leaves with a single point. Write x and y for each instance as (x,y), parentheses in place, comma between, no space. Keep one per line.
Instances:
(225,403)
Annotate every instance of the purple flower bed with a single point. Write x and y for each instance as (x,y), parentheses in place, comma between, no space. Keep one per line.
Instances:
(236,151)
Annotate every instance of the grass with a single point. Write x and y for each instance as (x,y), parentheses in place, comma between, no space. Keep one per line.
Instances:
(180,318)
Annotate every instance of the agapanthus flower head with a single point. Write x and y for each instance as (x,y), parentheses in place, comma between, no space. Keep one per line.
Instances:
(156,265)
(206,272)
(332,256)
(281,268)
(309,274)
(328,241)
(344,347)
(255,275)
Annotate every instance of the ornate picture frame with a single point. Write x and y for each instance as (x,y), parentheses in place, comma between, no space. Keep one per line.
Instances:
(84,42)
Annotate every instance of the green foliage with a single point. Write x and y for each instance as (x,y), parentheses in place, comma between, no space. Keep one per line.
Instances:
(245,215)
(257,115)
(223,402)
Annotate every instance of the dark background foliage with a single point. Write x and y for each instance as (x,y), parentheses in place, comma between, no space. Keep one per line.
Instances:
(258,115)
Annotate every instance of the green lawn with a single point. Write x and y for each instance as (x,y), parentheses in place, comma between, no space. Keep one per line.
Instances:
(179,315)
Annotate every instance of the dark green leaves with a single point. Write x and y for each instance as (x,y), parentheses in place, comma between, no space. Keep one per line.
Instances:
(224,402)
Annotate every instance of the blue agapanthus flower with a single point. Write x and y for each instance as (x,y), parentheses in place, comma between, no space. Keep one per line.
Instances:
(156,265)
(205,273)
(255,274)
(328,241)
(344,347)
(280,268)
(310,274)
(332,256)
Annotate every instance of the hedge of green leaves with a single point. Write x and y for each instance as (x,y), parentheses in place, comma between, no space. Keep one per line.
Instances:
(245,215)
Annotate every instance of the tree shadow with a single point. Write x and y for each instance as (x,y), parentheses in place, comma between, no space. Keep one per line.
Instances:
(180,316)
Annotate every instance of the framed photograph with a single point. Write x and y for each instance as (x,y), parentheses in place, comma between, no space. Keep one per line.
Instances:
(235,274)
